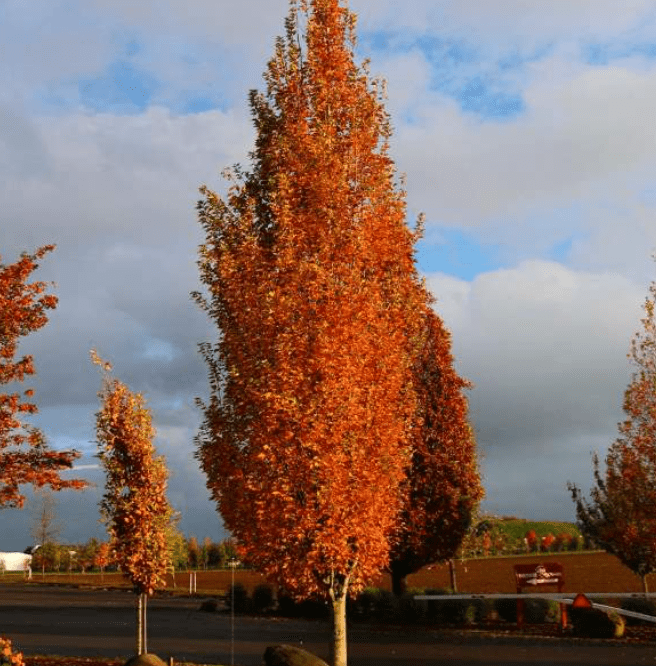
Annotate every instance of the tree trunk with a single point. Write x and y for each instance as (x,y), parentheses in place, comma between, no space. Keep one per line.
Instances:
(399,585)
(338,626)
(452,575)
(144,623)
(398,573)
(142,606)
(139,623)
(645,587)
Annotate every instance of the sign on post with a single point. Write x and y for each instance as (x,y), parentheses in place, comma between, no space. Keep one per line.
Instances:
(539,576)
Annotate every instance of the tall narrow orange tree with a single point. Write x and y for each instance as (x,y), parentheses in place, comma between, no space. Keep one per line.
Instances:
(25,458)
(443,487)
(134,506)
(310,269)
(621,516)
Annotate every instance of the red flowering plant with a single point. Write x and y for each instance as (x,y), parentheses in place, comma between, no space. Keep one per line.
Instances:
(562,542)
(547,542)
(531,540)
(7,656)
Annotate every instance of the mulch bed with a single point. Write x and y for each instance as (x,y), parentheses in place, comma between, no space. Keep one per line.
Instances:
(38,660)
(550,631)
(49,660)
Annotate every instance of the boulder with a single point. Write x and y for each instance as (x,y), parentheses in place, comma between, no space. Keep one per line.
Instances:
(596,623)
(209,606)
(290,655)
(146,659)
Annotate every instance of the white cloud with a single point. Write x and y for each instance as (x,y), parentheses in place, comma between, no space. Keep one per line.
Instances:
(546,348)
(584,131)
(523,23)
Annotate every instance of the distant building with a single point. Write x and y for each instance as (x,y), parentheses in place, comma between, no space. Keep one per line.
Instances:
(15,562)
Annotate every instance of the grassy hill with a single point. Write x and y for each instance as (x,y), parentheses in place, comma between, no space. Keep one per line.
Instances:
(495,535)
(516,528)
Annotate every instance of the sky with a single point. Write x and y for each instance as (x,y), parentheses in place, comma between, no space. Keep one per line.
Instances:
(525,131)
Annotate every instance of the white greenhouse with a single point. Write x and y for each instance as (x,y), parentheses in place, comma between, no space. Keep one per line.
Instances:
(15,562)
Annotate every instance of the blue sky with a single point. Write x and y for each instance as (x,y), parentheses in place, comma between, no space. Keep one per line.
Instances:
(524,132)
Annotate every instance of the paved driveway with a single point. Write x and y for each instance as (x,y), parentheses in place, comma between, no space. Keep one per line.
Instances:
(43,620)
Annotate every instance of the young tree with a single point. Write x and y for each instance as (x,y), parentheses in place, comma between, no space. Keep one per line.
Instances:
(101,559)
(621,516)
(45,528)
(46,557)
(193,553)
(134,506)
(24,455)
(443,487)
(310,268)
(176,544)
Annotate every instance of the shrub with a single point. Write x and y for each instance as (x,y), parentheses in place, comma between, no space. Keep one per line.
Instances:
(240,595)
(313,609)
(364,606)
(209,606)
(385,605)
(539,611)
(465,611)
(7,656)
(308,608)
(531,539)
(263,598)
(562,542)
(638,605)
(596,623)
(410,609)
(435,608)
(536,611)
(287,607)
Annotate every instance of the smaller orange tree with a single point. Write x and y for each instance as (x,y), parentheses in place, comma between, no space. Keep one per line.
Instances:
(134,505)
(101,558)
(621,517)
(443,487)
(24,455)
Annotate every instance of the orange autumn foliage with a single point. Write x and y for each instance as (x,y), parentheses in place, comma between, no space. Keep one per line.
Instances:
(621,517)
(443,487)
(310,269)
(134,506)
(24,455)
(7,655)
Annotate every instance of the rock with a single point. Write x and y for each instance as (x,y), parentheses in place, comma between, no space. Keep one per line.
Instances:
(596,623)
(290,655)
(209,606)
(146,659)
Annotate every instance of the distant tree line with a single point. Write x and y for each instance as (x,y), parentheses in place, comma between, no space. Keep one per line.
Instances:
(93,555)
